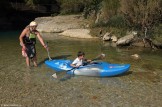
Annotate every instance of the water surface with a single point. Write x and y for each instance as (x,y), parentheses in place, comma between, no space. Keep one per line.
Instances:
(21,86)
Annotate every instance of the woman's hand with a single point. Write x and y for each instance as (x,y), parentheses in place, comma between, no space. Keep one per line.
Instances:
(45,46)
(23,46)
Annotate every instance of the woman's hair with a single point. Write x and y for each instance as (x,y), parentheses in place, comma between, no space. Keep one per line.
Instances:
(80,53)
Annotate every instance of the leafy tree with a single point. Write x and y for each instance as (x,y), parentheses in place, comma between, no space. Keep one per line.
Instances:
(110,8)
(90,6)
(77,6)
(30,2)
(142,14)
(47,3)
(71,6)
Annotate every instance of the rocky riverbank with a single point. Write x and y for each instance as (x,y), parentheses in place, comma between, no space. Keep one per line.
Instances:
(69,25)
(78,27)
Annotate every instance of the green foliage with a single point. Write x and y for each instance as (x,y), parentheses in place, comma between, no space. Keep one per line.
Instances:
(119,32)
(116,14)
(91,6)
(110,7)
(138,14)
(47,3)
(77,6)
(142,13)
(34,2)
(117,21)
(30,2)
(157,32)
(71,6)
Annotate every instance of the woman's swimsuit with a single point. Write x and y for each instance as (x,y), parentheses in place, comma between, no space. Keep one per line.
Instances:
(30,45)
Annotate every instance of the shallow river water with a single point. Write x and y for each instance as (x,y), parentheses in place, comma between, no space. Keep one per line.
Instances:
(141,86)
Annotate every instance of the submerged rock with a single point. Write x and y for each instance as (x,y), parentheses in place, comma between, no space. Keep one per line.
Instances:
(135,56)
(77,33)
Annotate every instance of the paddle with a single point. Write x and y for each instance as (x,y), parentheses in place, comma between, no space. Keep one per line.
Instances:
(48,52)
(99,57)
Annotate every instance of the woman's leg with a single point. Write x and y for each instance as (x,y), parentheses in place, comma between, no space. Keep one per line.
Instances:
(35,61)
(28,61)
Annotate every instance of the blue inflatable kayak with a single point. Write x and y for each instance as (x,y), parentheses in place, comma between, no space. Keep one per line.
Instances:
(102,69)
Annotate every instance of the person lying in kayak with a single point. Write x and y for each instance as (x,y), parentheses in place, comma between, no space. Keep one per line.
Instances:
(79,61)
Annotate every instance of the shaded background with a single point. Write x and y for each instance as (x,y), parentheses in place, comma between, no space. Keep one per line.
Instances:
(16,14)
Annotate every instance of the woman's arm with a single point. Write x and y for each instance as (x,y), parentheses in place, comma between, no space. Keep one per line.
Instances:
(23,33)
(41,39)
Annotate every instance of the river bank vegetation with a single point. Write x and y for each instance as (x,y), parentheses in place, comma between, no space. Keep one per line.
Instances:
(120,16)
(117,16)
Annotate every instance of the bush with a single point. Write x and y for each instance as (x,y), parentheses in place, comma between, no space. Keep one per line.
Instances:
(71,6)
(117,21)
(157,33)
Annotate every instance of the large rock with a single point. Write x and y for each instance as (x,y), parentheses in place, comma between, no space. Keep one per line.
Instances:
(114,38)
(125,40)
(157,44)
(107,36)
(59,24)
(138,42)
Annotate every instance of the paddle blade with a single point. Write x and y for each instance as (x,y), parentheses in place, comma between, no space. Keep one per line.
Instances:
(54,75)
(102,56)
(99,57)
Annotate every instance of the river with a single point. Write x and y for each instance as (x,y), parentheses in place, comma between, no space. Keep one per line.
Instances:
(35,86)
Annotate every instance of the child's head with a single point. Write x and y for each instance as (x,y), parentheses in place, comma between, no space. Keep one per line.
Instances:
(80,54)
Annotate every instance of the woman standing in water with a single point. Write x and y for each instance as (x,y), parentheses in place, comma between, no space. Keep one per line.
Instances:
(28,40)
